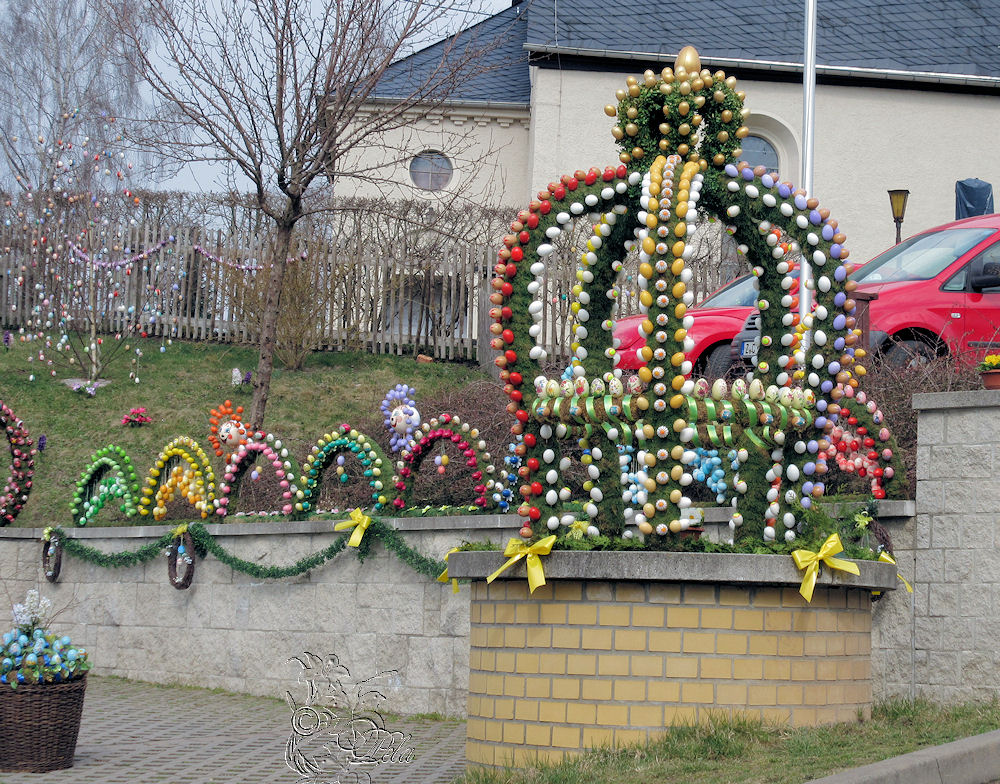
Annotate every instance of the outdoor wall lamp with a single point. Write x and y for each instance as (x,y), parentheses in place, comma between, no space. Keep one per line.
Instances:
(897,201)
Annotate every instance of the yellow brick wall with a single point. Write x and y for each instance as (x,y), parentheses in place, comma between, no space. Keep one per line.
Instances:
(578,665)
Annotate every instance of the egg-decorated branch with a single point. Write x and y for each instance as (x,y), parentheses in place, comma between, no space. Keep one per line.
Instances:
(761,445)
(22,466)
(183,469)
(109,479)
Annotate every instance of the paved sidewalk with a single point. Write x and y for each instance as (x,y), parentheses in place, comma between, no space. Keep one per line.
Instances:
(139,733)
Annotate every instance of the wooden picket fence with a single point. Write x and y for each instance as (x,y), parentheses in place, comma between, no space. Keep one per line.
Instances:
(197,287)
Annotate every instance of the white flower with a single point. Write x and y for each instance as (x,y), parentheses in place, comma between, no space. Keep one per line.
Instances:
(237,377)
(34,613)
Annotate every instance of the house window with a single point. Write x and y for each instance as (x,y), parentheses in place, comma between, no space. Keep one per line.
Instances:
(431,170)
(758,151)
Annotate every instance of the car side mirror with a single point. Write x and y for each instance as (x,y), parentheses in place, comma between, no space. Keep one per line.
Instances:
(984,274)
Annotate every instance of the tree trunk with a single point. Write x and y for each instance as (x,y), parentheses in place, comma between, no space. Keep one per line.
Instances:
(269,324)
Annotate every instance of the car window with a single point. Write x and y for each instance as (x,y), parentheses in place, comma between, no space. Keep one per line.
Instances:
(959,281)
(921,257)
(741,293)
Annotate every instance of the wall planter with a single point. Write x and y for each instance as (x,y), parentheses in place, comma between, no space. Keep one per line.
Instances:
(616,646)
(991,379)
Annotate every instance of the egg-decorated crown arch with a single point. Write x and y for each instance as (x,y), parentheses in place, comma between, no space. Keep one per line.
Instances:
(759,445)
(335,448)
(242,463)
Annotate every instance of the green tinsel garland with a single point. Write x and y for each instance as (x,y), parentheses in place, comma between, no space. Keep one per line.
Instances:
(206,543)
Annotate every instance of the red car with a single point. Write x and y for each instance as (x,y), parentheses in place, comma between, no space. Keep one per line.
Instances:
(938,294)
(716,320)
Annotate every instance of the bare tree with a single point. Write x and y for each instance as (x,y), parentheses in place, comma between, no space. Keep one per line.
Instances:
(60,77)
(274,89)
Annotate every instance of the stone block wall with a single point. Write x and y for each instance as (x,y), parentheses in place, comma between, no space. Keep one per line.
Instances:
(943,642)
(237,633)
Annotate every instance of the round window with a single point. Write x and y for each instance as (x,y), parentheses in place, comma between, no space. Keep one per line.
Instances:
(431,170)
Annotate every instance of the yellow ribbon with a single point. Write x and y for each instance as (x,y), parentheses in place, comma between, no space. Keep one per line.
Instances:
(179,531)
(810,561)
(886,558)
(443,577)
(516,550)
(359,522)
(47,533)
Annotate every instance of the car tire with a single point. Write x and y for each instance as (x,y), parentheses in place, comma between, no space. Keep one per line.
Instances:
(719,362)
(909,353)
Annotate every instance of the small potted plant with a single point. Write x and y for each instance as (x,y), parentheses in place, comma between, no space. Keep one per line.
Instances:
(989,369)
(42,682)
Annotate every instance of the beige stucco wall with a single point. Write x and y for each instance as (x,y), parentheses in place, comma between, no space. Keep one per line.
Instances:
(488,148)
(868,139)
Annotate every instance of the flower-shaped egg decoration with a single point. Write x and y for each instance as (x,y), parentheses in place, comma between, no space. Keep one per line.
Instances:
(400,416)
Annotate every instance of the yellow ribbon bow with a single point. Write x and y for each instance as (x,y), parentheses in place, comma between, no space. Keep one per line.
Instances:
(179,531)
(443,577)
(516,550)
(886,558)
(810,561)
(359,522)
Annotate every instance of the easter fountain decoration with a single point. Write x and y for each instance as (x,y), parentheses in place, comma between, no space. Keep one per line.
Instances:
(765,443)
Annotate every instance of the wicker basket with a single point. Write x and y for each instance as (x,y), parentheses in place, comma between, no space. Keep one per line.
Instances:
(40,725)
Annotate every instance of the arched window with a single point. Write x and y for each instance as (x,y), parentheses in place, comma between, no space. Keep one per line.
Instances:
(431,170)
(758,151)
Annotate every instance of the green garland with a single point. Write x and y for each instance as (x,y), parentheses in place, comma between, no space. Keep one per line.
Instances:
(206,543)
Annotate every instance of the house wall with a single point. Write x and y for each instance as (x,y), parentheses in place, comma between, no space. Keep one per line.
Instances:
(868,140)
(488,148)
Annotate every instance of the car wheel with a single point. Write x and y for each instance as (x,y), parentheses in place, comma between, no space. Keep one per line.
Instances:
(719,362)
(909,353)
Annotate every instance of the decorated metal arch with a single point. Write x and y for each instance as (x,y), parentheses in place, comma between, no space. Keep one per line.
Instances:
(182,472)
(244,463)
(763,444)
(335,449)
(22,466)
(109,479)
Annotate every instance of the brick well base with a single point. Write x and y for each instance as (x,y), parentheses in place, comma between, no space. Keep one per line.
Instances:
(580,664)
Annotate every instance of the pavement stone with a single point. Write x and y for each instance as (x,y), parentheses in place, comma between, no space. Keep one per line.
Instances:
(141,733)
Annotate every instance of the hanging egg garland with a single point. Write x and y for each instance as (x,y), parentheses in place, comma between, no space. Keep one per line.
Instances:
(22,465)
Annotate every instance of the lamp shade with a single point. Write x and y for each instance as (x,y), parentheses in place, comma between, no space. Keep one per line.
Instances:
(897,202)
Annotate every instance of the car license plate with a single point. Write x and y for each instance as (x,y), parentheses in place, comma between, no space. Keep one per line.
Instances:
(748,348)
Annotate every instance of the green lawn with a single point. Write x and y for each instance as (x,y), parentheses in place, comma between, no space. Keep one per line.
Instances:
(750,752)
(179,386)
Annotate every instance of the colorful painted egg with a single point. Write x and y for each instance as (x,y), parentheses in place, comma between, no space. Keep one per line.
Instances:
(581,386)
(756,389)
(701,389)
(739,389)
(567,388)
(615,387)
(633,384)
(719,389)
(597,387)
(552,388)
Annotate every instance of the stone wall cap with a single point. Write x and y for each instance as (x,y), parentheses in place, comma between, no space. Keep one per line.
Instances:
(726,568)
(976,398)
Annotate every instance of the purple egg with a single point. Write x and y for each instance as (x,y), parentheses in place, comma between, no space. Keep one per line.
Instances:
(800,202)
(731,170)
(840,274)
(812,447)
(767,181)
(835,250)
(834,418)
(821,404)
(838,344)
(839,321)
(825,387)
(784,191)
(834,368)
(807,487)
(806,502)
(820,422)
(748,174)
(827,232)
(815,218)
(839,299)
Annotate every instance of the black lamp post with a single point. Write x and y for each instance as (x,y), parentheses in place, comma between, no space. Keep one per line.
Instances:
(897,201)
